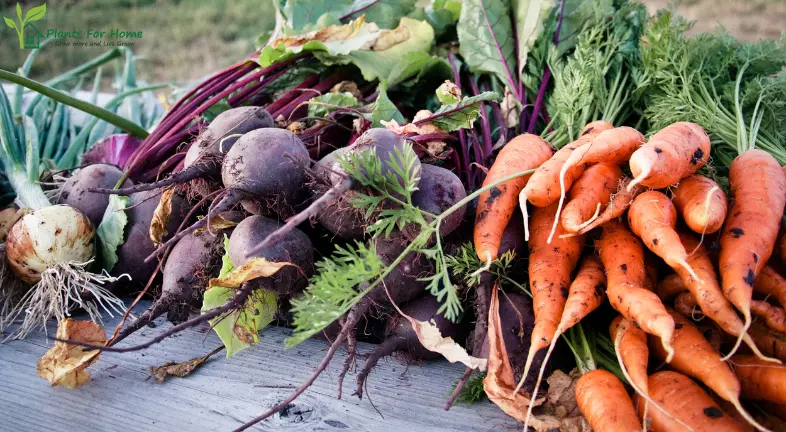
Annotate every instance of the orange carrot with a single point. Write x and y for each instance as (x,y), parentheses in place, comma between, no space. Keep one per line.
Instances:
(631,343)
(782,248)
(772,343)
(586,293)
(702,203)
(605,404)
(758,189)
(611,146)
(620,201)
(708,295)
(760,380)
(542,189)
(687,403)
(550,269)
(771,283)
(674,152)
(495,206)
(623,258)
(685,303)
(774,316)
(670,286)
(694,357)
(591,192)
(651,270)
(652,217)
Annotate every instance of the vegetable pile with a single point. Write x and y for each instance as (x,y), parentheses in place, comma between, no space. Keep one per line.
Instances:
(576,177)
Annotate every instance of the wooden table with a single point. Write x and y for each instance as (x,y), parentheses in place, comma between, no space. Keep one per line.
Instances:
(225,393)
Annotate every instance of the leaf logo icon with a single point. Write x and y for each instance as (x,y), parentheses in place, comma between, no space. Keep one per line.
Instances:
(33,14)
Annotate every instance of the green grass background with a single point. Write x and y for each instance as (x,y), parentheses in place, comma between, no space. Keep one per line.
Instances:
(182,39)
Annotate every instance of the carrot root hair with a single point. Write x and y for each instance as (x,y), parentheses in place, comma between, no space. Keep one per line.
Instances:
(645,172)
(527,366)
(523,204)
(749,418)
(486,267)
(588,221)
(743,332)
(540,376)
(636,388)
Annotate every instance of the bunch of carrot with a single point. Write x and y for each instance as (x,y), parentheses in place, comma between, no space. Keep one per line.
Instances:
(673,212)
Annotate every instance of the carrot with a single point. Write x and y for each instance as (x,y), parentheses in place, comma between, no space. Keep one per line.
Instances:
(623,258)
(651,270)
(708,296)
(687,403)
(772,343)
(670,286)
(495,206)
(542,188)
(702,203)
(605,404)
(620,201)
(774,316)
(652,217)
(694,357)
(586,293)
(550,269)
(674,152)
(782,248)
(610,146)
(760,380)
(758,189)
(589,193)
(771,283)
(685,303)
(631,343)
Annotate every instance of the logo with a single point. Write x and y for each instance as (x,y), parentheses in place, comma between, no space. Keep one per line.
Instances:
(29,35)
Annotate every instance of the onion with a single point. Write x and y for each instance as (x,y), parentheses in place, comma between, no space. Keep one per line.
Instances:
(46,237)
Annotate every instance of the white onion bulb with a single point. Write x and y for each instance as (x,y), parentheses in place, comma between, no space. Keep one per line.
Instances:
(48,236)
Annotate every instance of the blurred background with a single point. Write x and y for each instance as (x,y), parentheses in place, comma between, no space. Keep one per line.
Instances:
(187,39)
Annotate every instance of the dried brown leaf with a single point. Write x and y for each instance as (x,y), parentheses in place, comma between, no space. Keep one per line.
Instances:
(160,373)
(511,109)
(500,382)
(431,338)
(334,33)
(161,217)
(64,364)
(254,268)
(347,87)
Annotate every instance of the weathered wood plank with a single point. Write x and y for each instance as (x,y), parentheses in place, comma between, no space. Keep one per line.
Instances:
(225,393)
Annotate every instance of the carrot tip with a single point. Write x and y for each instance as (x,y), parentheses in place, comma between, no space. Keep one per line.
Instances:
(684,264)
(486,267)
(523,204)
(588,221)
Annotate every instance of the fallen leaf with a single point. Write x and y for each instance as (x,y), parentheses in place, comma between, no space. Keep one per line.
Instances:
(431,339)
(347,87)
(160,373)
(296,127)
(500,382)
(161,217)
(64,364)
(448,93)
(548,423)
(339,39)
(252,269)
(511,109)
(8,218)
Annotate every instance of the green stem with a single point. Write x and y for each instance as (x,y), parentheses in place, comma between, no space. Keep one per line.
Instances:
(29,193)
(96,111)
(84,67)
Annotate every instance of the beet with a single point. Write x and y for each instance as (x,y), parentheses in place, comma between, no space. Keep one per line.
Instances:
(438,190)
(204,156)
(402,338)
(76,190)
(137,245)
(295,247)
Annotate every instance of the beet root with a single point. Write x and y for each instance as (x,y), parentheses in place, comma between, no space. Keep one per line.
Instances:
(295,248)
(204,156)
(137,243)
(268,165)
(402,337)
(76,191)
(438,190)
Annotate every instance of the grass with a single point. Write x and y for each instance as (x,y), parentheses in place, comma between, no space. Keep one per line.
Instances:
(182,41)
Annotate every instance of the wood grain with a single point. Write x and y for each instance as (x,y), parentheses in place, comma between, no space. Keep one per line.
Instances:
(225,393)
